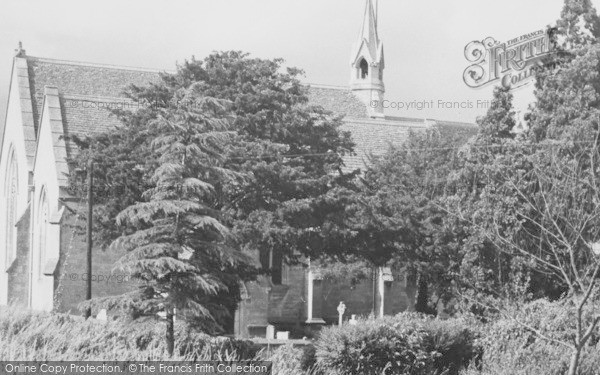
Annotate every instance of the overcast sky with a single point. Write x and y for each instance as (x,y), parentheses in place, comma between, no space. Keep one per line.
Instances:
(424,40)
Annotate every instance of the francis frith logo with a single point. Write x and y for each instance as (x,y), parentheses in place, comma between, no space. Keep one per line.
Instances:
(512,63)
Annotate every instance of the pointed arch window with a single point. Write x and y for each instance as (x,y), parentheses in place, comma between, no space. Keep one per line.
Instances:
(363,69)
(42,232)
(11,191)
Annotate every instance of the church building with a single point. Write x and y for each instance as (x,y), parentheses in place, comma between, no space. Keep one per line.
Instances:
(42,256)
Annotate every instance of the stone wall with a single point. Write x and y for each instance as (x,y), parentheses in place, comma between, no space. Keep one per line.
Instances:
(72,274)
(18,274)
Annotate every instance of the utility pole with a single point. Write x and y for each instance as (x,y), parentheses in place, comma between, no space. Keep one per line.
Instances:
(88,293)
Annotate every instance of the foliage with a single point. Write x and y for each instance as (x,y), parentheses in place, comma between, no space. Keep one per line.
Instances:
(177,245)
(578,25)
(567,90)
(394,218)
(309,357)
(286,153)
(288,360)
(27,336)
(292,156)
(218,157)
(512,347)
(455,341)
(404,344)
(499,121)
(56,337)
(537,199)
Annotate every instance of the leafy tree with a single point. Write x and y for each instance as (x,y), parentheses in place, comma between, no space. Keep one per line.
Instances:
(289,154)
(395,217)
(578,25)
(499,121)
(554,227)
(573,67)
(178,247)
(294,158)
(484,270)
(538,202)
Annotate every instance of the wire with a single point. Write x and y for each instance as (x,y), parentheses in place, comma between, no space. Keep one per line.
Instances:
(476,146)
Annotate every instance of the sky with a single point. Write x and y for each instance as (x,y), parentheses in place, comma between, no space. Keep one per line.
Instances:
(424,40)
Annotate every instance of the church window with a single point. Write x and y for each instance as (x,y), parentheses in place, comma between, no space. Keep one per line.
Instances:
(273,262)
(42,231)
(11,192)
(364,69)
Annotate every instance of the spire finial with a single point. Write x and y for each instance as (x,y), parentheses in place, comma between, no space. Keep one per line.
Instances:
(376,13)
(20,51)
(369,28)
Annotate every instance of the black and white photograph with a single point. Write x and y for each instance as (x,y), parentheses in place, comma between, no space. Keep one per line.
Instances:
(285,187)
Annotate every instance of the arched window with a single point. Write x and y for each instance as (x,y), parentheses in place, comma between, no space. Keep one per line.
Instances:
(42,231)
(363,69)
(11,190)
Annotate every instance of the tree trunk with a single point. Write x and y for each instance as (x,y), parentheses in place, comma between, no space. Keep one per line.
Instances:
(170,334)
(574,362)
(422,303)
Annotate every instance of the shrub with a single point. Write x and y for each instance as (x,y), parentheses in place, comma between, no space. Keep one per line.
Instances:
(511,348)
(287,360)
(404,344)
(455,343)
(42,336)
(309,357)
(199,345)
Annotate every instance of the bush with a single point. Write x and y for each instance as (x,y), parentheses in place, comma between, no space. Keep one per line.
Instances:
(287,360)
(42,336)
(198,345)
(455,343)
(512,349)
(404,344)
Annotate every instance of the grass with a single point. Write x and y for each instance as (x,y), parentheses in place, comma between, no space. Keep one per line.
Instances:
(43,336)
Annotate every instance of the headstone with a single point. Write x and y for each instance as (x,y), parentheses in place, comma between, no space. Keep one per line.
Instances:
(353,320)
(283,335)
(270,332)
(341,309)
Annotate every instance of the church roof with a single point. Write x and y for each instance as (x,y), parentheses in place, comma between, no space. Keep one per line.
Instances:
(84,81)
(88,91)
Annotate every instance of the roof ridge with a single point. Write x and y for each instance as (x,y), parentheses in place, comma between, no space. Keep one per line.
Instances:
(386,122)
(402,118)
(96,65)
(324,86)
(96,97)
(455,122)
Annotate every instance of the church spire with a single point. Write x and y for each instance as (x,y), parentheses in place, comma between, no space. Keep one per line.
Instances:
(369,28)
(367,62)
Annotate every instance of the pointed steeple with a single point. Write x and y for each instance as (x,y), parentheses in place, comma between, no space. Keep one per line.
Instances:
(367,62)
(369,29)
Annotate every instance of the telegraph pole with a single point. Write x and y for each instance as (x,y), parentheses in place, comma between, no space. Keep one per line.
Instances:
(88,293)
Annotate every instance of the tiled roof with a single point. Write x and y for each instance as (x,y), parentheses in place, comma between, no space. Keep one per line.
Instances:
(88,91)
(338,100)
(374,137)
(85,115)
(83,79)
